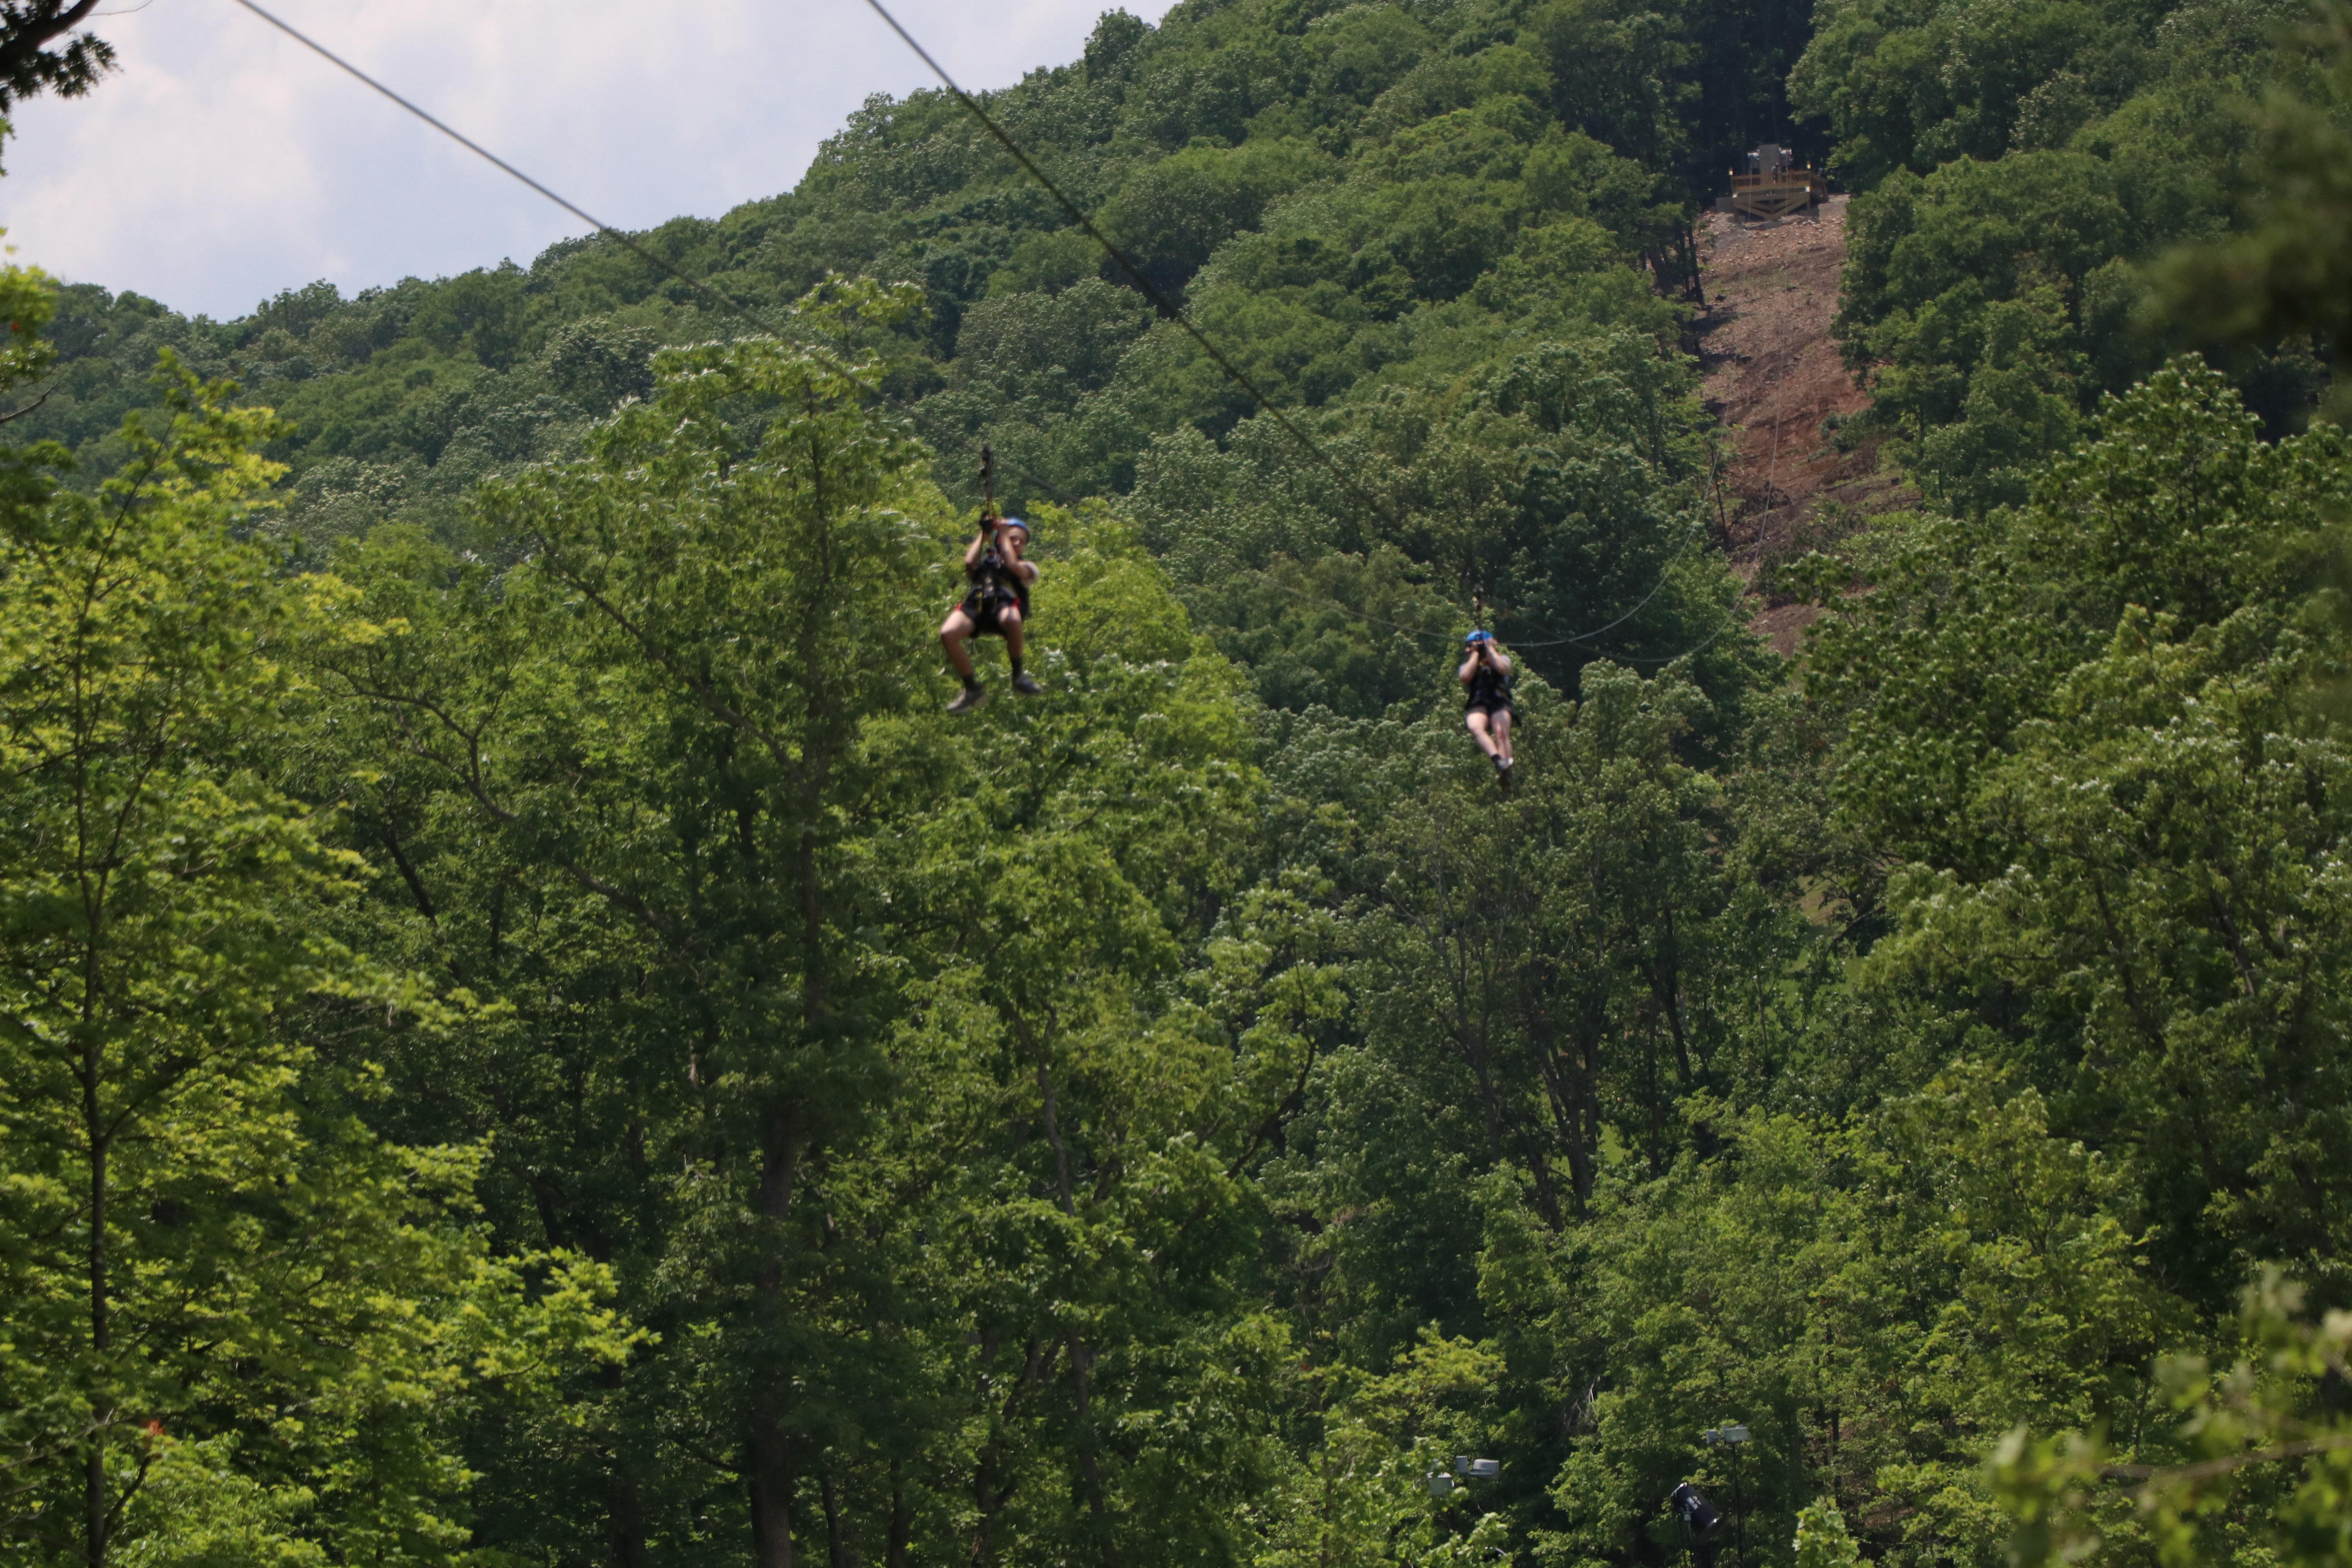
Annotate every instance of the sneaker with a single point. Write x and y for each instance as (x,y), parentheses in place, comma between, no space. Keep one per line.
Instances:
(1503,771)
(969,698)
(1026,684)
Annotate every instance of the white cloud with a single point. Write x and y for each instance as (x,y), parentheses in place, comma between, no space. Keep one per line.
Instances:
(224,161)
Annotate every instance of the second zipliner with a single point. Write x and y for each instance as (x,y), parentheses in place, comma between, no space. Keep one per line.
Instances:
(1486,672)
(996,602)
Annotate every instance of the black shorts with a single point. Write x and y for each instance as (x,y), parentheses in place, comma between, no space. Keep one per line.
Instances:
(1494,706)
(983,609)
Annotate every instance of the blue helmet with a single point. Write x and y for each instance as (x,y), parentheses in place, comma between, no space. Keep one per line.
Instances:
(1016,523)
(1479,636)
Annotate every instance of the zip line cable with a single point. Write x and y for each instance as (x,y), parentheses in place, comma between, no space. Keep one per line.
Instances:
(1151,290)
(1655,589)
(467,143)
(1771,473)
(1168,308)
(730,306)
(1267,578)
(733,307)
(727,304)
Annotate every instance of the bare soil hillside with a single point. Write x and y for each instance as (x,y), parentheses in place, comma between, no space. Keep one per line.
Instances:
(1774,379)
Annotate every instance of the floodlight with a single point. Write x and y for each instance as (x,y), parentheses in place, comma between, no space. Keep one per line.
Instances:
(1441,1485)
(1699,1515)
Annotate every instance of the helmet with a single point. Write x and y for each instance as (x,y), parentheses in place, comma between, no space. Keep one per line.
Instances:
(1479,636)
(1016,523)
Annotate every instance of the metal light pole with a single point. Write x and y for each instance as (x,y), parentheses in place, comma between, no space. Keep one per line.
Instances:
(1735,1438)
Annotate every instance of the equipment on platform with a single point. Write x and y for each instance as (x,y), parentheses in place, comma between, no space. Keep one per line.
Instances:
(1774,186)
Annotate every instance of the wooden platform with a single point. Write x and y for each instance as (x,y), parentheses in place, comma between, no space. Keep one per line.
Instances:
(1778,195)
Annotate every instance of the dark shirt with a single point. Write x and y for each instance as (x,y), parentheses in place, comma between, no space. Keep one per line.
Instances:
(993,577)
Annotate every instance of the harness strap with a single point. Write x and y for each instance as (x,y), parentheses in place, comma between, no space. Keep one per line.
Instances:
(994,580)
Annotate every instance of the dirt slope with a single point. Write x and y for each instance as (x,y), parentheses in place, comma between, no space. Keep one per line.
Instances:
(1774,379)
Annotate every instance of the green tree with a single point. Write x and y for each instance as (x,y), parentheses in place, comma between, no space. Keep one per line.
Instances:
(955,1256)
(730,541)
(217,1280)
(2258,1468)
(33,62)
(2087,726)
(2281,276)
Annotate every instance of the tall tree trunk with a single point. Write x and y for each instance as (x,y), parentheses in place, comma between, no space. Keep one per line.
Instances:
(773,1474)
(837,1538)
(626,1515)
(771,1491)
(902,1518)
(1665,968)
(1089,1454)
(94,1508)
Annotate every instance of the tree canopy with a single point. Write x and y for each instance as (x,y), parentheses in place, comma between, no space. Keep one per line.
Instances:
(526,1037)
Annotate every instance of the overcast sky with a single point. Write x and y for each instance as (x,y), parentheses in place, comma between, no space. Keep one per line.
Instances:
(222,161)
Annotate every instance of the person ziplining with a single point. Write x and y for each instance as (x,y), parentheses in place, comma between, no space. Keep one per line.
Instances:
(996,603)
(1487,671)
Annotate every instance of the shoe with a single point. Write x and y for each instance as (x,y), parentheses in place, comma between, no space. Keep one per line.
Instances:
(1503,771)
(1026,684)
(967,699)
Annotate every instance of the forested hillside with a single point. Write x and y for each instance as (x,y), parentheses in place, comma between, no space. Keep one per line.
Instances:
(527,1037)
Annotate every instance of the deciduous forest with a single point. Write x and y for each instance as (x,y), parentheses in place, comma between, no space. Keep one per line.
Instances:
(528,1037)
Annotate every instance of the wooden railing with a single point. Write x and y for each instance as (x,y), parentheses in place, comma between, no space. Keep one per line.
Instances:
(1809,178)
(1777,195)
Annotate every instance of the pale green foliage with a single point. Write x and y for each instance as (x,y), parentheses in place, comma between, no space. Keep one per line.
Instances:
(1879,1301)
(2100,728)
(2264,1465)
(1822,1539)
(216,1276)
(1361,1495)
(29,301)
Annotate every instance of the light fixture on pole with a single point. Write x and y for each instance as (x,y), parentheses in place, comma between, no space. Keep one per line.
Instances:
(1468,1469)
(1734,1438)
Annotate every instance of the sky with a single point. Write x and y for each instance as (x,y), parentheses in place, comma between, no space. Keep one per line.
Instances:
(223,163)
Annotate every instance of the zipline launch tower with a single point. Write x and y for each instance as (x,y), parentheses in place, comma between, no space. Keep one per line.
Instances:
(1774,186)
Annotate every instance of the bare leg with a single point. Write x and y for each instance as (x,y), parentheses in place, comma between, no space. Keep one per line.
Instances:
(1008,622)
(1477,723)
(955,636)
(1503,735)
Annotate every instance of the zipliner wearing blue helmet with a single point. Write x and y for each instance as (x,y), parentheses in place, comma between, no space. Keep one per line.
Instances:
(1487,673)
(996,604)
